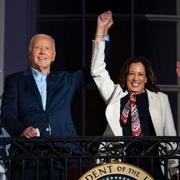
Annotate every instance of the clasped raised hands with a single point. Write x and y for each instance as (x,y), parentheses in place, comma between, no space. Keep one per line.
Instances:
(104,23)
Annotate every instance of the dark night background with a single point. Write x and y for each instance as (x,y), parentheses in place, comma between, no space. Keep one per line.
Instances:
(147,28)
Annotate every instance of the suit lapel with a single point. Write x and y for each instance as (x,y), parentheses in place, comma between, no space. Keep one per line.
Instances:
(29,79)
(51,86)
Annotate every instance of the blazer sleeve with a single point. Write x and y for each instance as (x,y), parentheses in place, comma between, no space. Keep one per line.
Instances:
(169,128)
(9,114)
(99,73)
(86,70)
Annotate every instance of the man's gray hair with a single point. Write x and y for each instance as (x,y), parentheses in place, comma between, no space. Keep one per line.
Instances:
(31,44)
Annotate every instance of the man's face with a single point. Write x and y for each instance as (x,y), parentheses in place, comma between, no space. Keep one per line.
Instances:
(42,53)
(136,78)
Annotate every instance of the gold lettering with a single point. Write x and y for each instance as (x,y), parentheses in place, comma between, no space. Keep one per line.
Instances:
(95,174)
(121,168)
(146,178)
(88,177)
(99,172)
(134,172)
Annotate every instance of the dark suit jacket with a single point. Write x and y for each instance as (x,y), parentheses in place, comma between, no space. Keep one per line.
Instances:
(22,106)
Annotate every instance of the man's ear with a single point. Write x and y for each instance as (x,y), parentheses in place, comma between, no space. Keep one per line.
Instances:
(54,56)
(29,55)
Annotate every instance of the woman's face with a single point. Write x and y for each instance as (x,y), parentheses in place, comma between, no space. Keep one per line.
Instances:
(136,77)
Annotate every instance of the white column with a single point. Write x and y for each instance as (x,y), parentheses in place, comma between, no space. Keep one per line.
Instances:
(2,27)
(178,58)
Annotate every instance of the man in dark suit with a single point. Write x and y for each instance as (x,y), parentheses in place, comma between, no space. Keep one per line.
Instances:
(38,102)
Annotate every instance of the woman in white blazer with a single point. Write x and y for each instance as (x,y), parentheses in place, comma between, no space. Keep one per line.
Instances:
(152,117)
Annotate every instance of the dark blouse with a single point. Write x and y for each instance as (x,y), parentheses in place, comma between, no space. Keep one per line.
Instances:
(147,130)
(144,116)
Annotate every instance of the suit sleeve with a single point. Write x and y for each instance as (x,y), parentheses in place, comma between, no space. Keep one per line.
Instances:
(9,114)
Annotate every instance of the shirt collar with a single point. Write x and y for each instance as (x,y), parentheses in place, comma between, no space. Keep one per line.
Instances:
(36,73)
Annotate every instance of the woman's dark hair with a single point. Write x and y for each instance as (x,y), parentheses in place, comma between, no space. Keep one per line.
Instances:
(151,79)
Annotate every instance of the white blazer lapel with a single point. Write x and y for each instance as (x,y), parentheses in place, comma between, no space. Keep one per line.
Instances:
(113,111)
(155,111)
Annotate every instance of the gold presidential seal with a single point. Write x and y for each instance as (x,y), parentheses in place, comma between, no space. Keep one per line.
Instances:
(116,171)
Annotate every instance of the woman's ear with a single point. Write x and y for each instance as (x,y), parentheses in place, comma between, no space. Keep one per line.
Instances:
(146,80)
